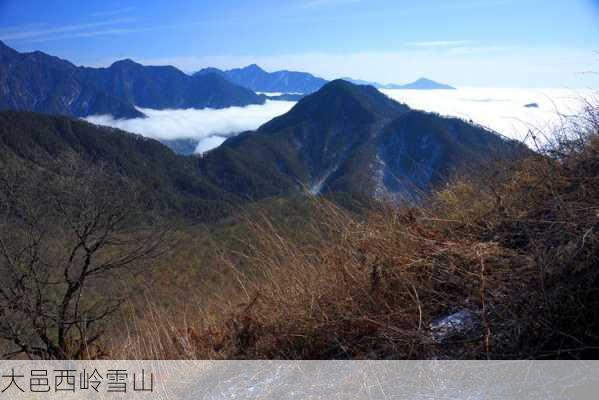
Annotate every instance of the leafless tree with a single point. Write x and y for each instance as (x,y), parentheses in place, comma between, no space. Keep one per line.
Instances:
(65,231)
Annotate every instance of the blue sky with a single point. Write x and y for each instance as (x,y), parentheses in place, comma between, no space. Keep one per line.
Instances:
(505,43)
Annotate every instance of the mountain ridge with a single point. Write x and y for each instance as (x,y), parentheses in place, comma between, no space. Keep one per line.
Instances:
(257,79)
(354,139)
(418,84)
(43,83)
(343,138)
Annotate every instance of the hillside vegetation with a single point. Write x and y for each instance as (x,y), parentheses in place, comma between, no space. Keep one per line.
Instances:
(342,139)
(37,142)
(278,245)
(352,139)
(514,247)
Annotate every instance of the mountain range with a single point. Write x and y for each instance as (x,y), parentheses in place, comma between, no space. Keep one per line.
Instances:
(255,78)
(419,84)
(342,138)
(42,83)
(354,139)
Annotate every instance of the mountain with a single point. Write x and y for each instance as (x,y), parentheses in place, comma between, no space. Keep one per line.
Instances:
(419,84)
(343,138)
(43,83)
(36,141)
(363,82)
(39,82)
(351,138)
(255,78)
(166,87)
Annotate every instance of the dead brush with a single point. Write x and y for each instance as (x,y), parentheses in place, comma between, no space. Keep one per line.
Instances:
(517,245)
(367,289)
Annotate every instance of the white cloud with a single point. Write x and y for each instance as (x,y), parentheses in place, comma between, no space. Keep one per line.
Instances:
(103,32)
(501,109)
(49,33)
(206,125)
(116,26)
(211,142)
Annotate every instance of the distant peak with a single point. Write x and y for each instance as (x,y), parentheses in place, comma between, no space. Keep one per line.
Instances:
(339,100)
(425,83)
(343,84)
(127,62)
(337,87)
(366,94)
(254,67)
(340,83)
(209,69)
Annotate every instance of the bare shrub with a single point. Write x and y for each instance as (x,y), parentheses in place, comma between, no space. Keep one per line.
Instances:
(64,230)
(516,245)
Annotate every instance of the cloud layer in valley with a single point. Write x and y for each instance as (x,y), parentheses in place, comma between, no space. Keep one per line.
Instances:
(208,126)
(501,109)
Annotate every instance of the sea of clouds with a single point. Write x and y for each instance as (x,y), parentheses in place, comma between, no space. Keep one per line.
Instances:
(500,109)
(210,127)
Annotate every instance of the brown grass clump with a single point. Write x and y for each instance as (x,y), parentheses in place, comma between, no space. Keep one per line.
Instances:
(516,246)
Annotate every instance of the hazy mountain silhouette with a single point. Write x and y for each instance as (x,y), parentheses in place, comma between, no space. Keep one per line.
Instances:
(255,78)
(419,84)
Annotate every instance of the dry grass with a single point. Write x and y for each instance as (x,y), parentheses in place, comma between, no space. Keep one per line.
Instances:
(517,245)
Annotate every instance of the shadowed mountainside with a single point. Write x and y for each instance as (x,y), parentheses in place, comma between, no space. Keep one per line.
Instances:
(169,181)
(354,139)
(343,138)
(43,83)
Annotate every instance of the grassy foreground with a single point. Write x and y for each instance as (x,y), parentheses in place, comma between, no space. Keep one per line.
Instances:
(516,246)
